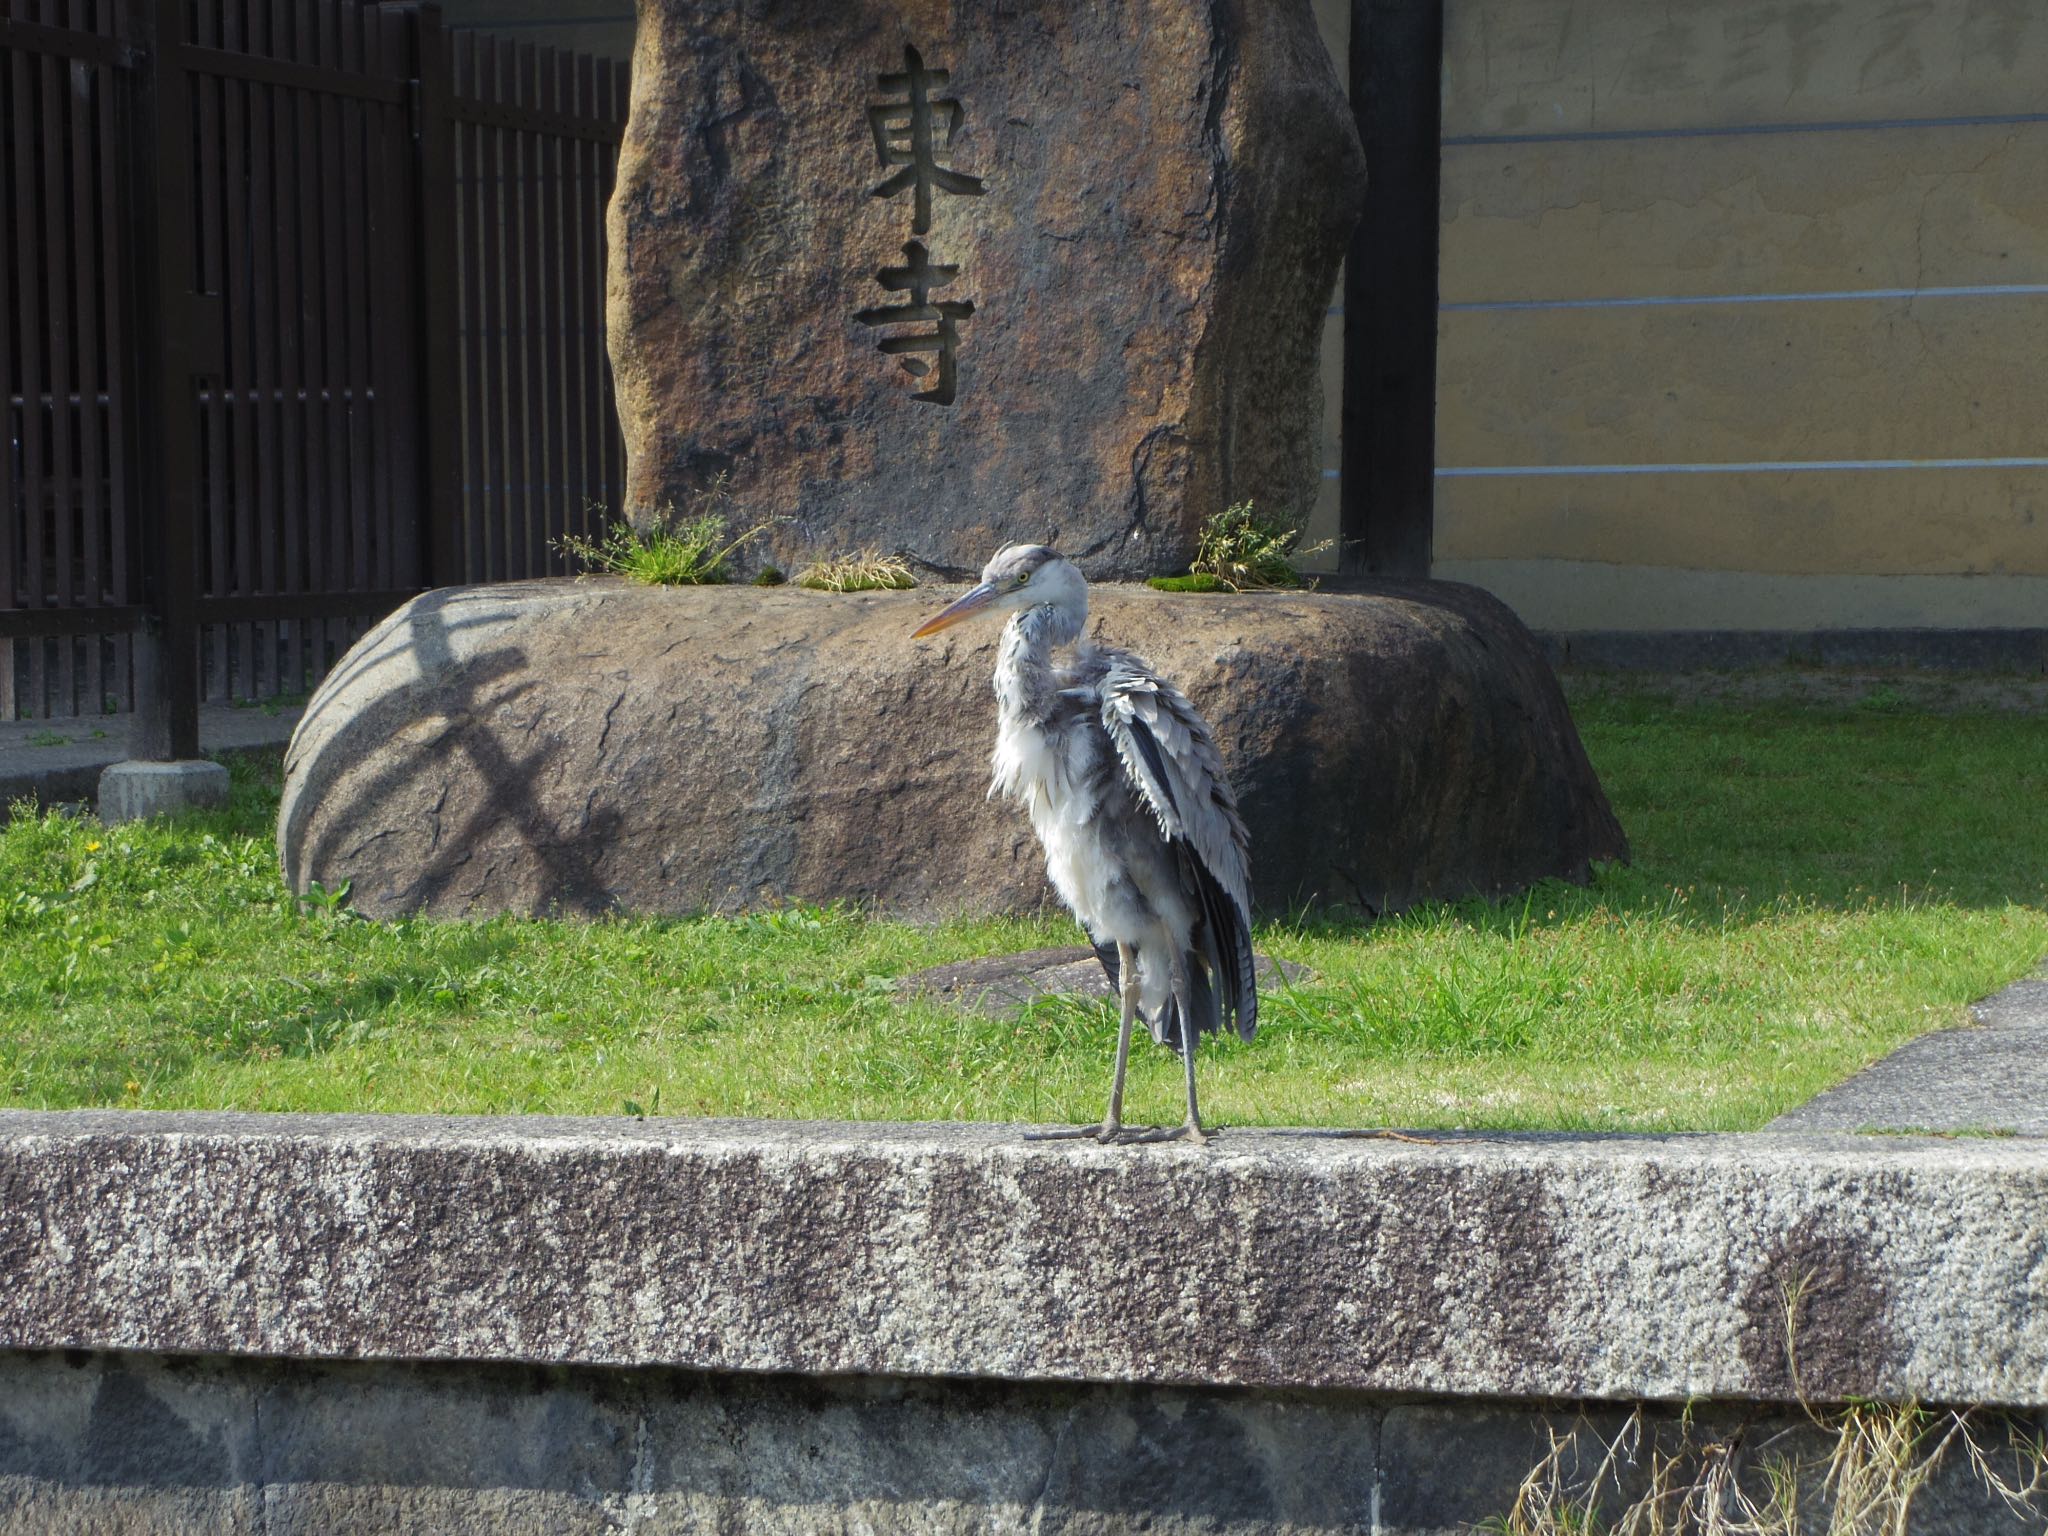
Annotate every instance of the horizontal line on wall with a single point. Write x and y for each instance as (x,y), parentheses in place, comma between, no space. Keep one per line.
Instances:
(556,23)
(1661,301)
(1761,467)
(1333,474)
(1740,130)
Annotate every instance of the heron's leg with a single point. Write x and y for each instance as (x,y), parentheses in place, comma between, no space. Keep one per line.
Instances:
(1127,986)
(1192,1130)
(1112,1123)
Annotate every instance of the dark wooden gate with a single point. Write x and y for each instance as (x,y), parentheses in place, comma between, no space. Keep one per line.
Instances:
(303,313)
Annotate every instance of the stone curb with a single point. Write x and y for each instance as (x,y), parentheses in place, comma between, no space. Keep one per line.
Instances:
(1525,1266)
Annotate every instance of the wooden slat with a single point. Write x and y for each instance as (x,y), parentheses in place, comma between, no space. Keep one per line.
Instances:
(241,354)
(88,82)
(59,272)
(10,254)
(303,77)
(533,459)
(476,428)
(319,608)
(331,288)
(38,626)
(25,74)
(265,351)
(206,93)
(396,326)
(355,304)
(522,117)
(558,94)
(578,85)
(293,508)
(18,35)
(116,284)
(490,237)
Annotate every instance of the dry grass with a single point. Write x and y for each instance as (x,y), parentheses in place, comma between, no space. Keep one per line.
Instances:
(1853,1470)
(864,572)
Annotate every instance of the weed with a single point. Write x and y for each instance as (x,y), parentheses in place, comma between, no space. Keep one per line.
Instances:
(48,739)
(865,572)
(1241,551)
(1854,1470)
(671,549)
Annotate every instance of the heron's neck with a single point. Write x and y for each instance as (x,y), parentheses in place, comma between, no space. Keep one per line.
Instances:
(1026,681)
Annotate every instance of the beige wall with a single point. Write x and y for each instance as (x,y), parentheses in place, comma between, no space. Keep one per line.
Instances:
(1697,367)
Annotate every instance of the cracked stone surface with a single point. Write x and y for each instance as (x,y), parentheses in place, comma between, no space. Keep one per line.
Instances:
(1144,201)
(1991,1076)
(1506,1266)
(597,746)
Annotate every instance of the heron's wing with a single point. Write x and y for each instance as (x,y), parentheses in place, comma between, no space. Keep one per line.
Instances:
(1171,761)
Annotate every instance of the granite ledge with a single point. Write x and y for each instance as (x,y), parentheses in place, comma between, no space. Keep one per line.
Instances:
(1525,1266)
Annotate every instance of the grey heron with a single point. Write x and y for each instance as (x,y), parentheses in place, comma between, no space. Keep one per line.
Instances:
(1127,793)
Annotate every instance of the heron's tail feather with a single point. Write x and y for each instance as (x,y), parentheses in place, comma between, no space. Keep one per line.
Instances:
(1106,953)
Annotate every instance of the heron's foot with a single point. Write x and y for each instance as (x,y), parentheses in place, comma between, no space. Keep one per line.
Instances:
(1107,1133)
(1189,1132)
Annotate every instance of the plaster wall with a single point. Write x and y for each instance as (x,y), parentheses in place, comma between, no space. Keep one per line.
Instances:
(1744,313)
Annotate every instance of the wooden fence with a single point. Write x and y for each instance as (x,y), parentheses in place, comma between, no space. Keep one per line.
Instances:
(302,313)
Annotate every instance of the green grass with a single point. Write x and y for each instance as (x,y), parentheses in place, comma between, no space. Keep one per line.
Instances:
(1240,550)
(1813,886)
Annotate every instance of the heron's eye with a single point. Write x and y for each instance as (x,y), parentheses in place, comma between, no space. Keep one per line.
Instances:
(1023,577)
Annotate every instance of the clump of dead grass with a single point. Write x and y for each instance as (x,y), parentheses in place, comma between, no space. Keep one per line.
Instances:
(1873,1459)
(864,572)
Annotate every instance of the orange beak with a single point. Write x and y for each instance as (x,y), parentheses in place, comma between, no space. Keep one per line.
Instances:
(964,607)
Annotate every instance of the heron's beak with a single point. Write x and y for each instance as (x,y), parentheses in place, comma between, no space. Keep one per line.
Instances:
(965,607)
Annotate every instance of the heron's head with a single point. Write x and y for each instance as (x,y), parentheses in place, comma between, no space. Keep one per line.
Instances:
(1020,576)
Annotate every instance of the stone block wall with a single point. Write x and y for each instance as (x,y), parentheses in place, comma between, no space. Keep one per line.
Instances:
(334,1324)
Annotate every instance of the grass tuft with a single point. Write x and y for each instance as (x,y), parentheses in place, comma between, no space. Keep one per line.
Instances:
(671,549)
(865,572)
(1240,551)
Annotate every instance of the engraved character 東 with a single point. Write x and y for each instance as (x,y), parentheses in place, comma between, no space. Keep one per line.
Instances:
(907,134)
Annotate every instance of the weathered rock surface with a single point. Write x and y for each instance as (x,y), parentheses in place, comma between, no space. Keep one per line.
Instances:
(1143,201)
(1612,1267)
(586,747)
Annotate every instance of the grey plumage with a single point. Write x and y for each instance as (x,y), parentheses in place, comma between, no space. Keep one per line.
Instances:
(1127,793)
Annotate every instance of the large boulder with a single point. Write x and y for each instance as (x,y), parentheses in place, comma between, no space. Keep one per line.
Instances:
(1142,202)
(596,746)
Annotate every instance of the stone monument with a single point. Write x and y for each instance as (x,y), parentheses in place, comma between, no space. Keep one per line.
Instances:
(930,278)
(926,278)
